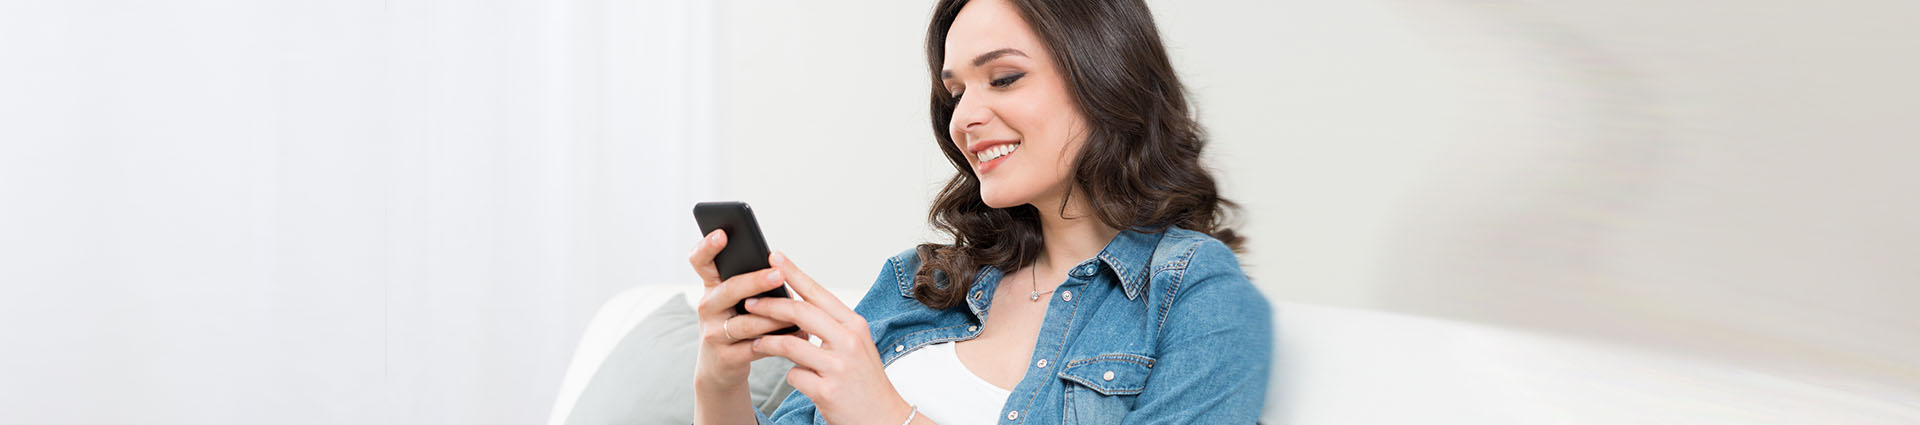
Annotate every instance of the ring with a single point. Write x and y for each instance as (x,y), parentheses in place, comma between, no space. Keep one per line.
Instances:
(725,331)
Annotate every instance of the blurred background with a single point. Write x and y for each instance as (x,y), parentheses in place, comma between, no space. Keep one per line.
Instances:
(405,211)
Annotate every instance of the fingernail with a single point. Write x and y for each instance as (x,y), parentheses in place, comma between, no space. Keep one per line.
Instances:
(752,301)
(714,237)
(775,277)
(779,258)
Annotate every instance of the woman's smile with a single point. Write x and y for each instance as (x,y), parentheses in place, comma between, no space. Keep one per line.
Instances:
(990,154)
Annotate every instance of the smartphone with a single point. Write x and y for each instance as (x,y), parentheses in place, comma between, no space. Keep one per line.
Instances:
(746,250)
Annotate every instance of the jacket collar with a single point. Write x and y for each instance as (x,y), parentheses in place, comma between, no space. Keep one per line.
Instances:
(1127,256)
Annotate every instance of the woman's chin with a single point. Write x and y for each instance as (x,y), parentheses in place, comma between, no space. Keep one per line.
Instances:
(999,200)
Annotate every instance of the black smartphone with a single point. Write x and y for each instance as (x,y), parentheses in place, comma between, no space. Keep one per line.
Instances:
(746,250)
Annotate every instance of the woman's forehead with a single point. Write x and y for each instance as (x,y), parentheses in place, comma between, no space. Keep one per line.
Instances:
(985,26)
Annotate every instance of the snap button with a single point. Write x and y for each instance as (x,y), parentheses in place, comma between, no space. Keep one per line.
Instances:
(1013,414)
(1108,376)
(898,348)
(1043,363)
(1066,295)
(972,328)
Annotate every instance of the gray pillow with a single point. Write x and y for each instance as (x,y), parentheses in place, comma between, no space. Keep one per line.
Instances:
(648,377)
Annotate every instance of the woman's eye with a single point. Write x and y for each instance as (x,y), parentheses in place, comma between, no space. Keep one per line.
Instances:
(1007,80)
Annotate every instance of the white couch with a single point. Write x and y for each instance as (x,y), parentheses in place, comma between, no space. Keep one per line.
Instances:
(1346,366)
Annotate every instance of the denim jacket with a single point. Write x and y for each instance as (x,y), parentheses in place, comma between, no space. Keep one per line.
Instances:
(1159,328)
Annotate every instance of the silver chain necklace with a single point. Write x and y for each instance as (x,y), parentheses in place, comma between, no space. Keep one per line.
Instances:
(1034,279)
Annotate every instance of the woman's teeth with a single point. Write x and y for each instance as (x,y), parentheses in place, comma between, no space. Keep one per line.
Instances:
(998,151)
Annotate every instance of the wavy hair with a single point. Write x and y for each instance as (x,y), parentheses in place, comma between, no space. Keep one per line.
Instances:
(1139,167)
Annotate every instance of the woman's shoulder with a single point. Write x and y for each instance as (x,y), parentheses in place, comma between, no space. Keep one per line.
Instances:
(893,284)
(1189,265)
(899,270)
(1182,248)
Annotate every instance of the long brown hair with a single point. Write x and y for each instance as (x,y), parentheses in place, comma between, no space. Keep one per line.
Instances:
(1139,167)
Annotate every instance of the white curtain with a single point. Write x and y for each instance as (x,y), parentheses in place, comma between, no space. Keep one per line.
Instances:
(332,212)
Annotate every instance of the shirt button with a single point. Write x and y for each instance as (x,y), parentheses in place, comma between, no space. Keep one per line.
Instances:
(973,328)
(1066,295)
(1043,363)
(1108,376)
(1013,414)
(897,349)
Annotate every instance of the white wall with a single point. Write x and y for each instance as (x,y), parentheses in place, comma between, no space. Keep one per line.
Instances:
(333,212)
(1722,179)
(822,126)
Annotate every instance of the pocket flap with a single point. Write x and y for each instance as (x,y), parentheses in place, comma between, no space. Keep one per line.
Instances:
(1110,374)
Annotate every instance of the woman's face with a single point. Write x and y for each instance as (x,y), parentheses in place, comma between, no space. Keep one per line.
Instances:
(1016,122)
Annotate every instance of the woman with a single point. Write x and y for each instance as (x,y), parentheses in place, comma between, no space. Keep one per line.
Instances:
(1090,279)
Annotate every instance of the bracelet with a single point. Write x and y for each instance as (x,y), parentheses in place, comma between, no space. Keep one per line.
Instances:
(910,415)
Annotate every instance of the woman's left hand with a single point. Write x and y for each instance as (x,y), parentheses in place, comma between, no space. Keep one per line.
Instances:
(843,376)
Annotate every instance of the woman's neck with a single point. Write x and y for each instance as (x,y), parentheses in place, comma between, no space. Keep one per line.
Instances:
(1071,237)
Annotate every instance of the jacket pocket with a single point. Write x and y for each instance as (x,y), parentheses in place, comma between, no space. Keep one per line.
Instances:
(1101,389)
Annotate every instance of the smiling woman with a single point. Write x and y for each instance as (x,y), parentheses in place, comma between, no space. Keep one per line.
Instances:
(1081,219)
(1109,94)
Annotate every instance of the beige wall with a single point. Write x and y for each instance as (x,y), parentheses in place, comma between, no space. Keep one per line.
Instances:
(1723,178)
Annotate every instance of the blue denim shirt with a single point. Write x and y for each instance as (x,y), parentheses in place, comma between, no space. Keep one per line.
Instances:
(1159,328)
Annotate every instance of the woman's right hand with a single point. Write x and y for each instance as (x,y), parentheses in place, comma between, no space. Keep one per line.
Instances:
(726,339)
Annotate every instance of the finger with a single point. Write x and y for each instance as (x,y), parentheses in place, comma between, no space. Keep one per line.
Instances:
(801,352)
(702,257)
(721,299)
(802,314)
(804,380)
(811,290)
(737,352)
(750,326)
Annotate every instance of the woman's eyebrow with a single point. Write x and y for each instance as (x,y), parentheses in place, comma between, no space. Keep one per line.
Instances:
(984,58)
(989,56)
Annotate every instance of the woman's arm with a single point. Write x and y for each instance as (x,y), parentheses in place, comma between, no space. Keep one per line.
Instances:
(726,352)
(1215,347)
(723,405)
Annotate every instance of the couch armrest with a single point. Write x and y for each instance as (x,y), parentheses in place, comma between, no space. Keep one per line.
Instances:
(615,318)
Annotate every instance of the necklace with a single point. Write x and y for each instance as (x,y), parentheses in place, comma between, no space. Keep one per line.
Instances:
(1033,278)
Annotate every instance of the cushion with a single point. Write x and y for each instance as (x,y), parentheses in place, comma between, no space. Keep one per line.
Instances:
(649,374)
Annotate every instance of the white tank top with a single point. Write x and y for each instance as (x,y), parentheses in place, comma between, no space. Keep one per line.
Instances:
(933,379)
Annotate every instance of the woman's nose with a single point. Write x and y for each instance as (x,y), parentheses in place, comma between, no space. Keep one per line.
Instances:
(970,115)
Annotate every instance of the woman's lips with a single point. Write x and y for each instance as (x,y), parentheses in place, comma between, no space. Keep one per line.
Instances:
(984,166)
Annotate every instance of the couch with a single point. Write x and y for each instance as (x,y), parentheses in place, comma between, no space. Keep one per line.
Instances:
(1331,366)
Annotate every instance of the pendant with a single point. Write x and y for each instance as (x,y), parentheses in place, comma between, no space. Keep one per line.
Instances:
(1033,296)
